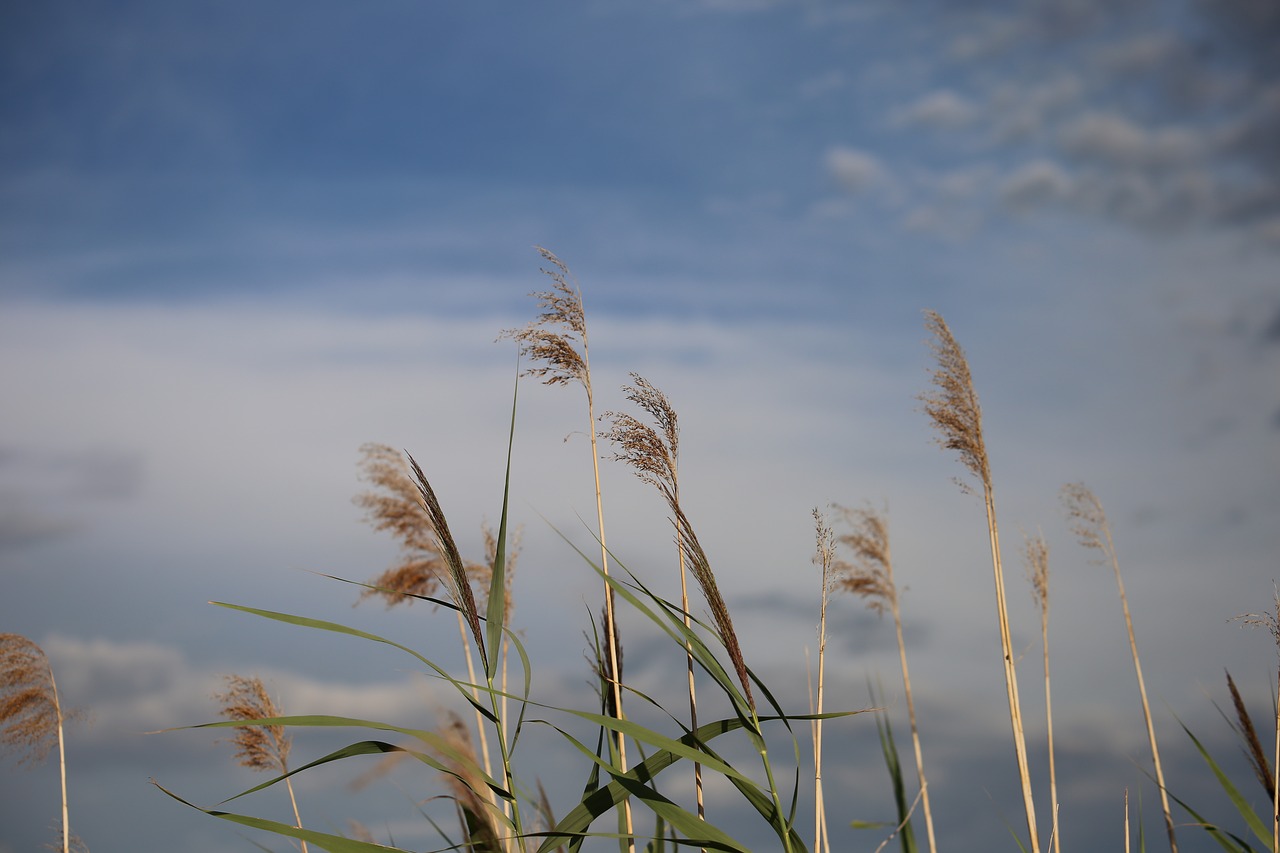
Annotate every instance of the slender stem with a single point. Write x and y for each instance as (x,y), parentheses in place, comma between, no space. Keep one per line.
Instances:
(1010,672)
(911,715)
(62,761)
(688,647)
(612,633)
(480,729)
(288,784)
(820,807)
(1142,689)
(1048,713)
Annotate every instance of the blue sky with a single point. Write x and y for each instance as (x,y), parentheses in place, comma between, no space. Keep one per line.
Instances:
(239,240)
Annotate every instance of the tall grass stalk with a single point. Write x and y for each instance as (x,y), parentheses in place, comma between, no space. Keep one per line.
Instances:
(31,716)
(1271,622)
(259,747)
(825,558)
(654,454)
(870,575)
(953,408)
(1036,555)
(553,340)
(1089,523)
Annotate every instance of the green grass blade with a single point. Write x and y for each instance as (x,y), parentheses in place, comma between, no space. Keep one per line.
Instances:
(463,687)
(1255,824)
(496,611)
(332,843)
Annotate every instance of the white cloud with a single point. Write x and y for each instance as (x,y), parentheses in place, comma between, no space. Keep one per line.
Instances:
(940,110)
(856,171)
(1116,141)
(1036,183)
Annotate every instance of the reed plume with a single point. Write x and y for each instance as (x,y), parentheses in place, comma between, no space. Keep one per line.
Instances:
(953,408)
(869,574)
(654,455)
(1089,523)
(31,715)
(258,747)
(556,342)
(1036,556)
(1271,622)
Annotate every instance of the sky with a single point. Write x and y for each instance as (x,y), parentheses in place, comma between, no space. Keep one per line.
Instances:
(240,240)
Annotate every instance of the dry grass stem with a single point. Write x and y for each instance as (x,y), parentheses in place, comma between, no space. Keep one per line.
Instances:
(556,342)
(825,559)
(31,716)
(869,574)
(259,747)
(1036,555)
(953,408)
(1089,523)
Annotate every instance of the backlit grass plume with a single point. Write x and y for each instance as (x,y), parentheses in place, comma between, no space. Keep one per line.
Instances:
(953,408)
(1089,523)
(1036,556)
(259,747)
(31,716)
(825,558)
(869,574)
(556,342)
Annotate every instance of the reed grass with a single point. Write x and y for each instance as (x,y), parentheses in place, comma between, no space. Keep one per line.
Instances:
(1089,523)
(869,574)
(825,559)
(259,747)
(31,715)
(557,343)
(1036,556)
(654,455)
(957,417)
(502,810)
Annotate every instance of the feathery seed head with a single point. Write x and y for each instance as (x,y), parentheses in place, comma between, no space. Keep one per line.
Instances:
(1035,553)
(1088,520)
(869,572)
(554,338)
(652,453)
(953,405)
(29,709)
(264,747)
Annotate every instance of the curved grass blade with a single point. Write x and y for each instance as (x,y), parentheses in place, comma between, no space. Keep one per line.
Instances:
(332,843)
(462,687)
(496,612)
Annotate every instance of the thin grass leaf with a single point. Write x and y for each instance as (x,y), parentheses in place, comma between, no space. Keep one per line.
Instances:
(496,610)
(1251,818)
(332,843)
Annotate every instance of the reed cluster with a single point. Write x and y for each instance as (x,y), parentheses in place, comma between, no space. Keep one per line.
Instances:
(501,807)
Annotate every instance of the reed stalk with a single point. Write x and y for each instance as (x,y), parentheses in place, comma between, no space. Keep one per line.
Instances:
(1036,555)
(825,559)
(869,574)
(953,408)
(654,454)
(31,715)
(553,340)
(1089,523)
